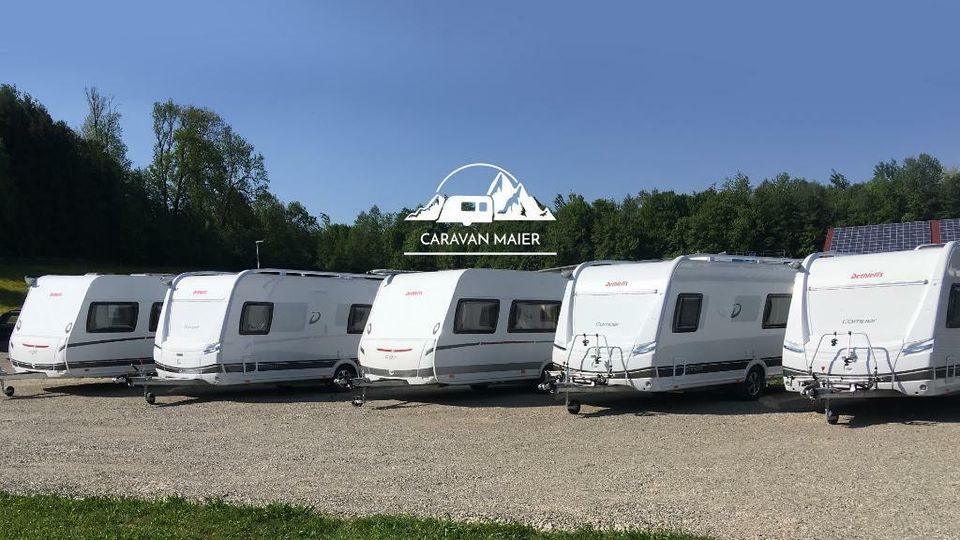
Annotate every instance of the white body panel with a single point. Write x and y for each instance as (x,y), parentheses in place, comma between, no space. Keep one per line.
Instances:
(882,317)
(412,335)
(200,332)
(53,336)
(618,322)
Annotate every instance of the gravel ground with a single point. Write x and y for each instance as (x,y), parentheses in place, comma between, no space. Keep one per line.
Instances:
(700,463)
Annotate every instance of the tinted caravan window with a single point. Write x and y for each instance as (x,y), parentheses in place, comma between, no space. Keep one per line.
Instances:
(476,317)
(953,307)
(256,318)
(686,316)
(533,316)
(357,318)
(155,316)
(775,311)
(112,317)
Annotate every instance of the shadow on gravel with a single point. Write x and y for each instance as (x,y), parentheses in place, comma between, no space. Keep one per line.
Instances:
(506,395)
(254,393)
(91,389)
(920,412)
(713,401)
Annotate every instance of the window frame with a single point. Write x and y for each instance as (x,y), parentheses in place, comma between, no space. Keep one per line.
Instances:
(154,324)
(243,319)
(676,312)
(767,305)
(953,287)
(351,314)
(456,316)
(511,318)
(112,329)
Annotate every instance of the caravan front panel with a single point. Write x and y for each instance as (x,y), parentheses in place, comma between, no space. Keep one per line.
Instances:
(88,326)
(473,326)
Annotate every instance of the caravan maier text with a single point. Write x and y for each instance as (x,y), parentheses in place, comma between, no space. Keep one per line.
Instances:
(480,239)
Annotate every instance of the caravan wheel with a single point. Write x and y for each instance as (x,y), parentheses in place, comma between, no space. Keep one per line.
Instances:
(343,377)
(573,407)
(753,384)
(150,398)
(8,391)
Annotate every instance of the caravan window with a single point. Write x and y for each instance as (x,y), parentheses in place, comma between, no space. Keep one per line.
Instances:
(533,316)
(953,307)
(357,318)
(686,317)
(256,318)
(476,317)
(155,316)
(776,310)
(112,317)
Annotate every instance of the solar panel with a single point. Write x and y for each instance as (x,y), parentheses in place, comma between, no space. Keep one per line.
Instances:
(949,230)
(884,237)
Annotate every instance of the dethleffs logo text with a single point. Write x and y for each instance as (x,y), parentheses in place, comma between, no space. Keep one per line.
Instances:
(506,199)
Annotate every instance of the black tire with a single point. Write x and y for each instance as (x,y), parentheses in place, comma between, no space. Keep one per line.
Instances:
(357,401)
(344,371)
(832,416)
(753,384)
(150,398)
(573,407)
(8,391)
(479,387)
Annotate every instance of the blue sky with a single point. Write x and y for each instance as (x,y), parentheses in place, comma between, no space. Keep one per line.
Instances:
(362,103)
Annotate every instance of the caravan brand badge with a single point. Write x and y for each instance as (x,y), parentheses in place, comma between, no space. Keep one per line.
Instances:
(866,275)
(505,199)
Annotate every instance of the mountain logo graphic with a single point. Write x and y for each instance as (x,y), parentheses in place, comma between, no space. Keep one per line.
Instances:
(506,200)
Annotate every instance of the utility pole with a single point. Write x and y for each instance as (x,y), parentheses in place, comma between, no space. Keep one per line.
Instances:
(257,243)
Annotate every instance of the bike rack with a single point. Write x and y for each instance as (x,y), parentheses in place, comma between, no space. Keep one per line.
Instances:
(567,382)
(822,387)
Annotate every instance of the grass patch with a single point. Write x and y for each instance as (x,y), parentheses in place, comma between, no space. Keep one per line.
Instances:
(13,289)
(53,516)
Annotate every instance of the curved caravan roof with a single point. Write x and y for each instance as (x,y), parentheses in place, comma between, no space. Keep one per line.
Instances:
(409,305)
(470,281)
(644,277)
(220,285)
(878,269)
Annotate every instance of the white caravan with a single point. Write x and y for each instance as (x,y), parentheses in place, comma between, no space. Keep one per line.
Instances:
(95,325)
(875,324)
(659,326)
(260,326)
(460,327)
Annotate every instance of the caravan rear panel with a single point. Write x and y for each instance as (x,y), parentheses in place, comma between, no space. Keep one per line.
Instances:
(875,322)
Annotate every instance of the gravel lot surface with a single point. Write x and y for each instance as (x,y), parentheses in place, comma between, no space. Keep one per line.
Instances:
(701,463)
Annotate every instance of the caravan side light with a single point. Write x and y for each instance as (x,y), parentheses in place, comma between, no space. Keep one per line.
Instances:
(211,348)
(644,348)
(792,347)
(918,346)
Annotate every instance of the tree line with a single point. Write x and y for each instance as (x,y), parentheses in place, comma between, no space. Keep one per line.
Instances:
(204,199)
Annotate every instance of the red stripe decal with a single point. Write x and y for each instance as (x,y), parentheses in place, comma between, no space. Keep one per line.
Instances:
(393,350)
(32,346)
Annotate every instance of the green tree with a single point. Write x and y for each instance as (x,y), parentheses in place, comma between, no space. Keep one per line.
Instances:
(101,127)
